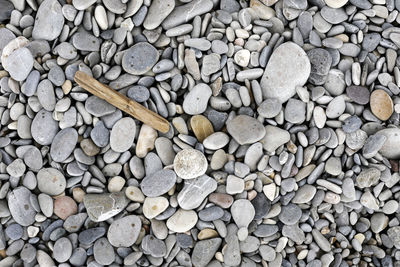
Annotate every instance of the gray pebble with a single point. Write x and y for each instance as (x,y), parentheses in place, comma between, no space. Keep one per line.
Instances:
(140,58)
(63,144)
(158,183)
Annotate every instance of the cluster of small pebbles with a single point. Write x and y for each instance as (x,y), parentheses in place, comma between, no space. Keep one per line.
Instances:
(283,147)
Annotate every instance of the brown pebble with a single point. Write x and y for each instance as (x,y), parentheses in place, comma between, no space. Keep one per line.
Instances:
(78,194)
(207,233)
(64,207)
(222,200)
(381,104)
(89,147)
(201,127)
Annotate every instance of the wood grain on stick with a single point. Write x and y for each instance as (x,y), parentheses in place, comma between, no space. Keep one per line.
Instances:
(121,102)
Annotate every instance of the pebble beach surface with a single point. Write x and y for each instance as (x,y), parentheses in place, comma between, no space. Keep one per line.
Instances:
(283,147)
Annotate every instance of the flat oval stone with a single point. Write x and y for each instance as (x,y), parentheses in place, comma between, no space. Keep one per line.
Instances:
(269,108)
(65,206)
(85,41)
(196,100)
(287,68)
(125,231)
(158,11)
(101,207)
(139,58)
(245,129)
(83,4)
(381,104)
(20,206)
(204,251)
(153,246)
(122,134)
(46,96)
(392,141)
(19,63)
(333,15)
(49,21)
(158,183)
(63,144)
(115,6)
(62,250)
(305,194)
(51,181)
(182,221)
(274,137)
(103,252)
(194,191)
(154,206)
(138,93)
(44,128)
(290,214)
(88,236)
(98,107)
(190,163)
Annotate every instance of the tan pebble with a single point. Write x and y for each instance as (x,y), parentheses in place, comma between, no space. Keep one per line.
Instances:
(89,148)
(66,87)
(251,195)
(116,184)
(3,73)
(141,235)
(222,200)
(201,127)
(343,37)
(216,86)
(146,140)
(134,194)
(207,233)
(154,206)
(3,253)
(248,185)
(381,104)
(219,256)
(218,159)
(64,207)
(78,194)
(360,237)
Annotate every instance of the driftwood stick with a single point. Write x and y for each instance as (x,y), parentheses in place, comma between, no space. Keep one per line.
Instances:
(121,102)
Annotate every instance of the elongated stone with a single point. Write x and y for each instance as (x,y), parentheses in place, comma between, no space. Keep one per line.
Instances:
(195,191)
(101,207)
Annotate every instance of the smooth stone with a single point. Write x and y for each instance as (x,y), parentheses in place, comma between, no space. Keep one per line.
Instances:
(201,127)
(243,212)
(190,163)
(351,124)
(46,96)
(211,214)
(290,214)
(83,4)
(20,206)
(63,144)
(19,63)
(373,144)
(379,222)
(51,181)
(100,135)
(158,183)
(44,128)
(335,3)
(245,129)
(82,40)
(6,34)
(14,231)
(138,93)
(211,64)
(46,204)
(122,134)
(196,100)
(6,7)
(195,191)
(125,231)
(16,168)
(368,177)
(294,233)
(321,62)
(394,235)
(74,222)
(49,21)
(62,250)
(304,194)
(98,107)
(381,104)
(158,11)
(204,251)
(139,58)
(43,259)
(101,207)
(371,41)
(295,111)
(262,206)
(65,206)
(274,137)
(186,12)
(321,241)
(336,107)
(103,252)
(89,236)
(392,140)
(335,83)
(182,221)
(154,206)
(287,68)
(153,246)
(269,108)
(265,230)
(216,141)
(333,15)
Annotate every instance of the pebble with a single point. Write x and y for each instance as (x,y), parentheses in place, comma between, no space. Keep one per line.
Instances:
(197,99)
(320,61)
(182,221)
(51,181)
(101,207)
(122,134)
(14,231)
(201,127)
(18,63)
(62,249)
(190,163)
(290,214)
(49,21)
(195,191)
(269,108)
(103,252)
(287,68)
(20,206)
(154,206)
(158,183)
(392,140)
(204,251)
(63,144)
(381,104)
(274,137)
(245,129)
(295,111)
(131,226)
(305,194)
(139,58)
(64,207)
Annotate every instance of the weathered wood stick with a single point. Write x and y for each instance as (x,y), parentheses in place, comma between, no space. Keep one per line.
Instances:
(122,102)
